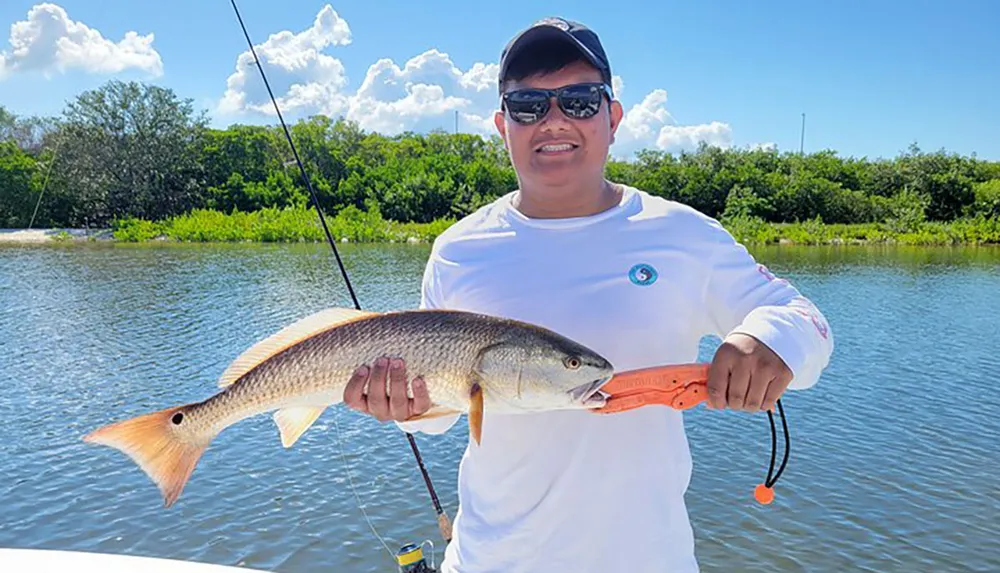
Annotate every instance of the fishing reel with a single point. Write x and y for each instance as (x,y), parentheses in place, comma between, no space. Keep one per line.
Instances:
(410,559)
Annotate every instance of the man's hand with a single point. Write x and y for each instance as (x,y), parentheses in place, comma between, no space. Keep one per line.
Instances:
(383,405)
(746,375)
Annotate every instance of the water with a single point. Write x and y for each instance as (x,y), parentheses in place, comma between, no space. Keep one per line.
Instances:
(894,453)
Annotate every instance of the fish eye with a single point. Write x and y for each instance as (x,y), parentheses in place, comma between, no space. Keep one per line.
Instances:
(571,362)
(177,418)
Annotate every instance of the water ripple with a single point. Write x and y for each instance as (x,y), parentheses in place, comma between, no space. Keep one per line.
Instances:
(892,453)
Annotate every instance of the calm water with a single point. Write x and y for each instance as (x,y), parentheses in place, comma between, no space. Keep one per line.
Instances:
(894,455)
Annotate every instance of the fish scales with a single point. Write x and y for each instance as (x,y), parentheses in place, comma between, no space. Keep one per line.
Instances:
(439,346)
(470,363)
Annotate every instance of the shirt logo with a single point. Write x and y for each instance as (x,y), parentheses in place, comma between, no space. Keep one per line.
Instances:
(769,275)
(642,274)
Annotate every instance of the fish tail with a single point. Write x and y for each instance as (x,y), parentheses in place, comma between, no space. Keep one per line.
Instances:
(154,445)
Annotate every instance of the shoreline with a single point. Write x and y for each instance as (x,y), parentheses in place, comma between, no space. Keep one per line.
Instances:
(57,235)
(755,233)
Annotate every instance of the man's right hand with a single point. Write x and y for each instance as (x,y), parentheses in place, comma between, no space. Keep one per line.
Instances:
(385,406)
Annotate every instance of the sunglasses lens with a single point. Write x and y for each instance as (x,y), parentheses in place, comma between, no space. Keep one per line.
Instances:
(527,106)
(580,101)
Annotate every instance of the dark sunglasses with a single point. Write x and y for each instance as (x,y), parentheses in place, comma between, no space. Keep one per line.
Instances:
(578,101)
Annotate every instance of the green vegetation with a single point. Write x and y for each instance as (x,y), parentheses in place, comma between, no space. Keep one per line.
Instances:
(272,224)
(138,159)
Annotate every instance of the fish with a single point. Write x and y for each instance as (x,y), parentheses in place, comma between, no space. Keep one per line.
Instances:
(470,363)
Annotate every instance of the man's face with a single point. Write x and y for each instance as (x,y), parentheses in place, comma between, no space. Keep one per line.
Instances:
(588,139)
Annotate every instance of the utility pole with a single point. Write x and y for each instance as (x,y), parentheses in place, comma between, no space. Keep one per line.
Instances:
(802,137)
(456,122)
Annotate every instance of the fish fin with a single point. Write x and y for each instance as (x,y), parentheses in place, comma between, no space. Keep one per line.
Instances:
(286,337)
(434,412)
(152,444)
(476,413)
(294,421)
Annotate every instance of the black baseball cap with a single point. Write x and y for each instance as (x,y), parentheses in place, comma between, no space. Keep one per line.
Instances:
(579,36)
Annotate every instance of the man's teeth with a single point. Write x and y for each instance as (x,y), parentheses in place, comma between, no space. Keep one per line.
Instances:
(560,147)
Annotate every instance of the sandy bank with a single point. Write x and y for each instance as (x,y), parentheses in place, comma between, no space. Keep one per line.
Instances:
(26,236)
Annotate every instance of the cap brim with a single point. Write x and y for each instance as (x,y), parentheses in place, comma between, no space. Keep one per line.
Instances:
(533,36)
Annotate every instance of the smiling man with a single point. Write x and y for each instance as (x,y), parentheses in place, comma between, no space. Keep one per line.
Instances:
(639,279)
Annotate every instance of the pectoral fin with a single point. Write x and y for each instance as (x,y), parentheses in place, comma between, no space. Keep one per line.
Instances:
(476,413)
(293,422)
(489,359)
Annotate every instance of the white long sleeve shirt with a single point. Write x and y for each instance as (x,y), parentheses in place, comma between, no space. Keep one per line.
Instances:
(642,284)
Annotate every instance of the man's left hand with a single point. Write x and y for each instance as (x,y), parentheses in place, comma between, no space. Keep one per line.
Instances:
(746,375)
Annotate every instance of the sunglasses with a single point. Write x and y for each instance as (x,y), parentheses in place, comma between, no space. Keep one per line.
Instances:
(578,101)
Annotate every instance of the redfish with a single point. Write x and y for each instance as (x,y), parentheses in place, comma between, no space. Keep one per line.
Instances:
(470,363)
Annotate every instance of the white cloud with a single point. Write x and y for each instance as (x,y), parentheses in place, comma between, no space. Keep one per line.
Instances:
(422,94)
(425,93)
(642,120)
(649,124)
(49,41)
(617,86)
(301,76)
(673,138)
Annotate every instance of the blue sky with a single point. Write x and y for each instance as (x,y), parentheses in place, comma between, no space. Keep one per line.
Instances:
(871,77)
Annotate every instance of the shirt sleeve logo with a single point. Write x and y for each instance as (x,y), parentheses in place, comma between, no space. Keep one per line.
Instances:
(642,274)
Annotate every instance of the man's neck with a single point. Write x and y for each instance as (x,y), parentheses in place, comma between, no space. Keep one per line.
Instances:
(566,202)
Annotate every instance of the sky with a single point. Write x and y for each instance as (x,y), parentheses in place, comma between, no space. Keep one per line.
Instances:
(872,78)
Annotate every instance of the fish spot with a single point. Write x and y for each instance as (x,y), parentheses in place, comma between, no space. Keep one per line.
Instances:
(177,418)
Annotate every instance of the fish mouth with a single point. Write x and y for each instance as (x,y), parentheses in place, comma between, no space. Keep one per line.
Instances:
(590,394)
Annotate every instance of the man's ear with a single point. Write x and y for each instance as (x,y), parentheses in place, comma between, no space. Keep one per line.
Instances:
(501,125)
(615,117)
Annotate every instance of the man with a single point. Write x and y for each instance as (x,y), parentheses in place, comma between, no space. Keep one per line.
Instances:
(637,278)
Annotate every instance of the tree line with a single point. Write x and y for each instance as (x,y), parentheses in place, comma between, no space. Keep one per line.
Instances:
(135,150)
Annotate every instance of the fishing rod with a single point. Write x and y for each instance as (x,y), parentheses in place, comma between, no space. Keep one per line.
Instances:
(444,523)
